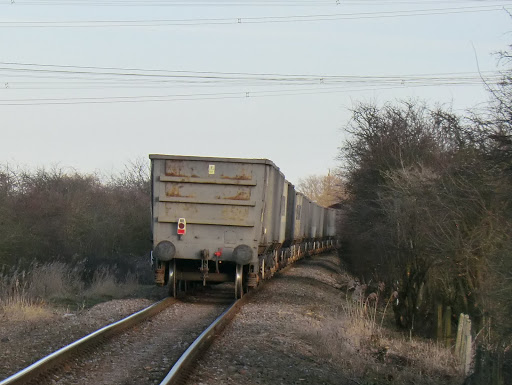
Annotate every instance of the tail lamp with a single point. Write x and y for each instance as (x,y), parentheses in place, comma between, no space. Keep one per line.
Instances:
(182,226)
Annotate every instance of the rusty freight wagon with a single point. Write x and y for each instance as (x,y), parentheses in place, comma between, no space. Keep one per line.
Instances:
(227,219)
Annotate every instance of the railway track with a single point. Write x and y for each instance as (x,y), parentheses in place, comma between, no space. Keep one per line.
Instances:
(183,367)
(133,351)
(67,352)
(173,330)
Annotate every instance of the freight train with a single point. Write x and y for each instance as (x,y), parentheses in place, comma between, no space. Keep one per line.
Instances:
(229,220)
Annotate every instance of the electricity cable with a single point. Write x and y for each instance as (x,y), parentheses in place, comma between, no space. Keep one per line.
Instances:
(254,20)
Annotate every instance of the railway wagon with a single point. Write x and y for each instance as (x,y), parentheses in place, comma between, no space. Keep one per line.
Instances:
(227,219)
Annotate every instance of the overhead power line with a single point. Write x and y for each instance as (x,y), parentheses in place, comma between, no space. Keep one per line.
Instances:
(17,77)
(235,3)
(192,97)
(133,76)
(254,20)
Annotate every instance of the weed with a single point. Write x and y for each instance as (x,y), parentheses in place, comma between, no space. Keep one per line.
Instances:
(25,294)
(373,354)
(105,284)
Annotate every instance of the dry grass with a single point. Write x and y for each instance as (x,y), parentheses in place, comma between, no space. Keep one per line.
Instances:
(22,312)
(105,284)
(372,354)
(55,280)
(26,294)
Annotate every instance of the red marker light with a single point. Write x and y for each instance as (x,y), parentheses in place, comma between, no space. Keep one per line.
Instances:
(182,226)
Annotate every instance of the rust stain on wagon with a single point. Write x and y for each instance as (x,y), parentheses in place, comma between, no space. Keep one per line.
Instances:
(173,173)
(237,177)
(240,196)
(178,169)
(242,175)
(174,168)
(175,192)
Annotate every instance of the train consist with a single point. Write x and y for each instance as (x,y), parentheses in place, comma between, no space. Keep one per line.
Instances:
(229,219)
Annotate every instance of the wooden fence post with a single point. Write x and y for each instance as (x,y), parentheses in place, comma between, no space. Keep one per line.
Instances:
(464,343)
(469,345)
(439,323)
(447,326)
(458,341)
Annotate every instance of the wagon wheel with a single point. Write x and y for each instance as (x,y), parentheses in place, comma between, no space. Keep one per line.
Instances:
(172,279)
(239,285)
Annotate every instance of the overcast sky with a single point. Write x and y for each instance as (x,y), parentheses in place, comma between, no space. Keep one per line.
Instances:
(93,85)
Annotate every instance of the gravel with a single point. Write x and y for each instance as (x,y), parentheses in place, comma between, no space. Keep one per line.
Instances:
(270,341)
(24,342)
(145,354)
(293,331)
(275,337)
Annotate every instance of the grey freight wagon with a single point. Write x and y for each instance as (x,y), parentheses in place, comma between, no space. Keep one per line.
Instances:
(226,219)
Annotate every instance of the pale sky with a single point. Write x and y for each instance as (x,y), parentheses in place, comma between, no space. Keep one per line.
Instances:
(93,85)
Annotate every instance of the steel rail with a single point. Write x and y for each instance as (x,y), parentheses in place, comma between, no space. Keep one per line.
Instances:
(179,371)
(64,353)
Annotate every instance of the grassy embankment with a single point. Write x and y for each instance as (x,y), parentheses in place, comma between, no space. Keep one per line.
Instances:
(33,293)
(363,340)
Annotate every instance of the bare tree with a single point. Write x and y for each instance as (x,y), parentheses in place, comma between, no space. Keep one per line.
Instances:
(50,214)
(325,190)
